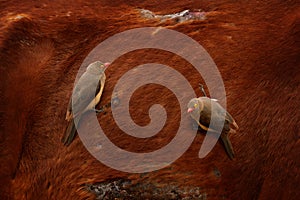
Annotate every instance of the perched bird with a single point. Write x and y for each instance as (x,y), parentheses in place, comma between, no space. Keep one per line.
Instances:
(200,110)
(84,98)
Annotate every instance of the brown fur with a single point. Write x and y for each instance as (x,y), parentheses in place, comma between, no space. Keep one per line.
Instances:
(255,45)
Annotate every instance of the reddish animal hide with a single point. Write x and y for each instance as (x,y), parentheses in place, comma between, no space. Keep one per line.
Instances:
(255,45)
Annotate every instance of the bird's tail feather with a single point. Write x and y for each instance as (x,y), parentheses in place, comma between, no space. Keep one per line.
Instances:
(227,145)
(69,133)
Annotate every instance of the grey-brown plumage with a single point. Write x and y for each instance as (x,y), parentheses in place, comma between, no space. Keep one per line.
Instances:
(84,97)
(201,111)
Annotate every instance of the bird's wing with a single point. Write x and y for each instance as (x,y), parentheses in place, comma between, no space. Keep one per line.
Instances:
(231,120)
(206,119)
(204,123)
(223,115)
(98,94)
(84,92)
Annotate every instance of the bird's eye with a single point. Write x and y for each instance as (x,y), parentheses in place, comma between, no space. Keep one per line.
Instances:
(195,105)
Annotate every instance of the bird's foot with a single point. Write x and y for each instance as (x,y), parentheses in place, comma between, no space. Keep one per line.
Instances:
(101,110)
(202,89)
(114,102)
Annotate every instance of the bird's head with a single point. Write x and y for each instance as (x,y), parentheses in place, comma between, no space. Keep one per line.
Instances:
(194,106)
(97,67)
(104,66)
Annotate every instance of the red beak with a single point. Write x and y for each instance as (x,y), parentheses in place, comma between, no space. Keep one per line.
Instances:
(106,65)
(190,110)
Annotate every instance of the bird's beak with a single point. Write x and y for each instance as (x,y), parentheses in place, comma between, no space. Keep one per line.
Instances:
(190,110)
(106,65)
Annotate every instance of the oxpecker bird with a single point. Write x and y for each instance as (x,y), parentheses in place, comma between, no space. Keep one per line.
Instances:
(86,95)
(200,110)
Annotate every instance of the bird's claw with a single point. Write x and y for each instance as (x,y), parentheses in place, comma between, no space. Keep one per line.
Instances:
(99,110)
(202,89)
(114,102)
